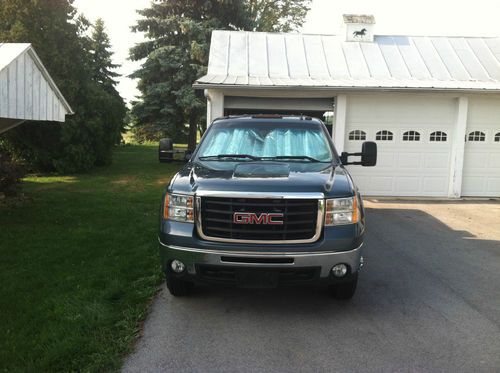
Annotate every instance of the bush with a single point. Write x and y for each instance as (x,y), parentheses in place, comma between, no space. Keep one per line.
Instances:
(85,140)
(11,173)
(148,133)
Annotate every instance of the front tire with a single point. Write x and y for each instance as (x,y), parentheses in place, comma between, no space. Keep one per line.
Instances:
(344,290)
(178,287)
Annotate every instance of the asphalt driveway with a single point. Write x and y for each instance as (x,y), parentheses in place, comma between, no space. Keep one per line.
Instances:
(428,300)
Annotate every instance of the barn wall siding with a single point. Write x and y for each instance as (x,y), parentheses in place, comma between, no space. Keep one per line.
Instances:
(26,94)
(4,93)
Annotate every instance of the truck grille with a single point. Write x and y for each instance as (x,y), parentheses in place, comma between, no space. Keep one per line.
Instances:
(299,219)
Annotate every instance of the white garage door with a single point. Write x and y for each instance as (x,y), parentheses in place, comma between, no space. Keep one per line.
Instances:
(481,174)
(414,136)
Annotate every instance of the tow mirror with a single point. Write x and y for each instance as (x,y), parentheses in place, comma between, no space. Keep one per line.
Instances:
(166,152)
(368,155)
(187,155)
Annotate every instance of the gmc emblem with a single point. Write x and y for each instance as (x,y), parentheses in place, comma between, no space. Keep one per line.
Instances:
(252,218)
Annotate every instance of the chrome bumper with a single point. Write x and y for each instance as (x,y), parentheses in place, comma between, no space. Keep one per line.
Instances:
(325,260)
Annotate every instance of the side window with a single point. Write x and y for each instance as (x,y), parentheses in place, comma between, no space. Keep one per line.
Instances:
(357,135)
(438,136)
(477,136)
(497,137)
(411,136)
(384,135)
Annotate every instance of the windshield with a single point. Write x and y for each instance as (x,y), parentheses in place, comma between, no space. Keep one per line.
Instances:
(288,142)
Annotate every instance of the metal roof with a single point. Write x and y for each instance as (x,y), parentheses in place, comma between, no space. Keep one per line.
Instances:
(27,91)
(255,59)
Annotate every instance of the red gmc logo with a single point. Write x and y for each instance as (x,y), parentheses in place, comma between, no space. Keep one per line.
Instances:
(252,218)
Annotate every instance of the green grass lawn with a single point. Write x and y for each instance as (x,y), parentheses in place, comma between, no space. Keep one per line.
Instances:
(79,264)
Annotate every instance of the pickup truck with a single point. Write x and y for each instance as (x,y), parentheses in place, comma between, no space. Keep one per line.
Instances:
(264,201)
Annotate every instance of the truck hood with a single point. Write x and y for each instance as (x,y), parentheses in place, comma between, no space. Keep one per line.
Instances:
(255,177)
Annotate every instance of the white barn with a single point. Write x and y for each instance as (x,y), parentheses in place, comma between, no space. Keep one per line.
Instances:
(432,104)
(27,92)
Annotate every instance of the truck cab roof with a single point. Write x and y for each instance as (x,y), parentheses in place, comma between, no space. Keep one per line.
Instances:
(267,117)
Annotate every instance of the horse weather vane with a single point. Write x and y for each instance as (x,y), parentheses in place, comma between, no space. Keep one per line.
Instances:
(360,33)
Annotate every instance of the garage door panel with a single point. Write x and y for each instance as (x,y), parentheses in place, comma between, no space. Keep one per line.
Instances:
(382,184)
(475,161)
(481,172)
(494,160)
(411,160)
(473,185)
(438,161)
(385,160)
(402,169)
(493,186)
(431,184)
(408,184)
(481,163)
(362,182)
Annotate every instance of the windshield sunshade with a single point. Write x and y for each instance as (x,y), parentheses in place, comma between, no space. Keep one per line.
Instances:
(268,142)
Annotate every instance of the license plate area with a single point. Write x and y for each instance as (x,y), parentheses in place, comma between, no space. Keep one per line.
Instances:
(257,278)
(248,277)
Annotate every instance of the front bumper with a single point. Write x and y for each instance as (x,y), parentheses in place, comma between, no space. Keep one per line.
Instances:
(198,260)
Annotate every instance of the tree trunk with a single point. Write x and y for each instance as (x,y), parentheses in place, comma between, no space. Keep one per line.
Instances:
(193,129)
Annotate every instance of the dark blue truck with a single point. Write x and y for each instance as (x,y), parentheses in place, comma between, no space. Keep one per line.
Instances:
(264,201)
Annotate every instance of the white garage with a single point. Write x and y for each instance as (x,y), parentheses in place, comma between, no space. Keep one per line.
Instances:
(432,104)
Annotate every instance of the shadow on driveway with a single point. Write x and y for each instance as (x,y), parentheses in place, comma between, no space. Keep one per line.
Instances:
(428,299)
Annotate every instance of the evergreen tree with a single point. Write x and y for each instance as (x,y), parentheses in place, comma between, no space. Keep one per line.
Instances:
(176,53)
(103,66)
(104,75)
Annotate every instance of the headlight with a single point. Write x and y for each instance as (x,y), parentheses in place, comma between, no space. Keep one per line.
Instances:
(178,207)
(340,211)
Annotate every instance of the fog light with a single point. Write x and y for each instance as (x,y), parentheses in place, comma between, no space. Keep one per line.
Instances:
(339,270)
(177,266)
(361,262)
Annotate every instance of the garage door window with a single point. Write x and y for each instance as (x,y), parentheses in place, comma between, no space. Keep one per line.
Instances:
(477,136)
(411,136)
(438,136)
(384,135)
(357,135)
(497,137)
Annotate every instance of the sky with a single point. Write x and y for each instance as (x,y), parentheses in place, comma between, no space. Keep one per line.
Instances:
(393,17)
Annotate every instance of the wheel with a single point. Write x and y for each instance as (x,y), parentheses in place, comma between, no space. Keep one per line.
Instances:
(165,150)
(344,290)
(178,287)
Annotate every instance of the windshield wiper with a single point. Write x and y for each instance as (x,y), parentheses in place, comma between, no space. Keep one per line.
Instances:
(254,158)
(221,156)
(294,157)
